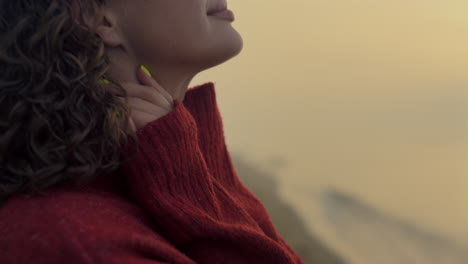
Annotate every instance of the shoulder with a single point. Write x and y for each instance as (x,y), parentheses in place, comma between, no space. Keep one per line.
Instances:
(64,207)
(31,227)
(87,227)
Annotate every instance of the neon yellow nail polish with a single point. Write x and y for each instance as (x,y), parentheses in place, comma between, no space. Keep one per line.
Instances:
(103,81)
(145,70)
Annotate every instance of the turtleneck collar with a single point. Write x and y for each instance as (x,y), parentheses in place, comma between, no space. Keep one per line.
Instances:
(201,102)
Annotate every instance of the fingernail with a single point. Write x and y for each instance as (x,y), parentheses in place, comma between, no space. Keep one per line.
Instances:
(103,81)
(143,68)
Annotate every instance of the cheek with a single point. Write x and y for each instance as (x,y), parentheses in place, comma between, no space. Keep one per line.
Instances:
(174,33)
(170,28)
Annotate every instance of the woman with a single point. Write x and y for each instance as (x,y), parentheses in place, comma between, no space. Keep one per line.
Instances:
(134,171)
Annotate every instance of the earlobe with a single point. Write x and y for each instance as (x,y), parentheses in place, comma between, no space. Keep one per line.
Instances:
(108,32)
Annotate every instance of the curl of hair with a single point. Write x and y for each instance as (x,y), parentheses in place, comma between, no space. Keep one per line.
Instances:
(58,124)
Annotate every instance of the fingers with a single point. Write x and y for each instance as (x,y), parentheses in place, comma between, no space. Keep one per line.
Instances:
(147,100)
(113,88)
(132,125)
(140,119)
(142,112)
(146,107)
(149,81)
(142,92)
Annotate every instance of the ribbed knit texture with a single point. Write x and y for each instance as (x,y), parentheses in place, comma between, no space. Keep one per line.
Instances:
(178,201)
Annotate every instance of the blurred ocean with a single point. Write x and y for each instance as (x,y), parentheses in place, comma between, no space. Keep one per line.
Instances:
(333,227)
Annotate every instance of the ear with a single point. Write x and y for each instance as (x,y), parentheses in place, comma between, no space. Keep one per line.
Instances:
(108,30)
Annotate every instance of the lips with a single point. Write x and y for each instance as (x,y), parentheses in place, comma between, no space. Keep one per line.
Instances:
(219,5)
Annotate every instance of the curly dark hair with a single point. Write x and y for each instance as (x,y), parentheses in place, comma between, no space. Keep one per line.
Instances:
(58,123)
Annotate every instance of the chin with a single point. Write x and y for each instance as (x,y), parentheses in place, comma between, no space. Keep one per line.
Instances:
(230,50)
(218,50)
(236,44)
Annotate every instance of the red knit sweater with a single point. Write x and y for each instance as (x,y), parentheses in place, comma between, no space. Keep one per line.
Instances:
(180,201)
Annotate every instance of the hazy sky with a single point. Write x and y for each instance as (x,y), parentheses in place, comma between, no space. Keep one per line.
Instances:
(367,96)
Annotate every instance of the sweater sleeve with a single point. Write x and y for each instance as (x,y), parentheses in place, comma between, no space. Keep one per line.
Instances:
(192,209)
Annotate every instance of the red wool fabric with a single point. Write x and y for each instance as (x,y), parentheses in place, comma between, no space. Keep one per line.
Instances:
(178,201)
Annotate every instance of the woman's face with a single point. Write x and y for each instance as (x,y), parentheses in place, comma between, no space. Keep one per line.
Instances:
(175,33)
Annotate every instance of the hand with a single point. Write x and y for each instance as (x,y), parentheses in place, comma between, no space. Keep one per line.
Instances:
(148,100)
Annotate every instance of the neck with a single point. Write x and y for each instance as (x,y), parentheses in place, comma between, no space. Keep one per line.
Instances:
(123,68)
